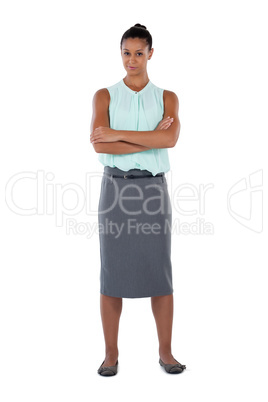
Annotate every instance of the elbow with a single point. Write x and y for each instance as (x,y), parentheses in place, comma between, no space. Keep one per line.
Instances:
(174,140)
(96,148)
(172,143)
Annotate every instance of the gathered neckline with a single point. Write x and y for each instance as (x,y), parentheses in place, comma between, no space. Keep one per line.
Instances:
(136,92)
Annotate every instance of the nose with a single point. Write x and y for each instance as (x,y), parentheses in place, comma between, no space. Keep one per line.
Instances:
(132,59)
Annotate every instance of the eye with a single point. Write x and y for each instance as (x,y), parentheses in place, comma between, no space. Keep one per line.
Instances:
(128,53)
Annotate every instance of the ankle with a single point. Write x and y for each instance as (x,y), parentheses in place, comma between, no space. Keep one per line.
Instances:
(111,353)
(165,351)
(166,356)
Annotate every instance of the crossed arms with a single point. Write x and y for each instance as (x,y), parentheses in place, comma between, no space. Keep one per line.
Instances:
(109,141)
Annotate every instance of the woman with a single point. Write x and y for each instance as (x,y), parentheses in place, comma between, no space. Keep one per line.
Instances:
(133,124)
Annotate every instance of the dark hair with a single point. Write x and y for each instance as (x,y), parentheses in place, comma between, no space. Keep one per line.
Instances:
(138,31)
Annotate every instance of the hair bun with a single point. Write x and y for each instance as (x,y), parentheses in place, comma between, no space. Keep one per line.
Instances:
(140,26)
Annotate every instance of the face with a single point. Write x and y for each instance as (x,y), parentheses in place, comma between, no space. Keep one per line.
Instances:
(135,54)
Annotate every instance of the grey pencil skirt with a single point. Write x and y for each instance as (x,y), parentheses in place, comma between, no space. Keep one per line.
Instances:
(134,216)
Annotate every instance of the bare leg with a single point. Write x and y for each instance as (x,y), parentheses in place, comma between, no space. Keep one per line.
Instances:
(111,308)
(162,307)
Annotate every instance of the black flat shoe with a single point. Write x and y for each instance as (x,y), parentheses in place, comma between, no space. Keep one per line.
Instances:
(172,368)
(108,370)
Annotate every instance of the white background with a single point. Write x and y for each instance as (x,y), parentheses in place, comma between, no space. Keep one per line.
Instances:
(55,55)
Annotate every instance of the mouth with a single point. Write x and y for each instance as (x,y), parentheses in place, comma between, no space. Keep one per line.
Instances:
(132,68)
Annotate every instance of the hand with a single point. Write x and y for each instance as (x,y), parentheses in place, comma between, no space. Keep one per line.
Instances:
(165,123)
(104,134)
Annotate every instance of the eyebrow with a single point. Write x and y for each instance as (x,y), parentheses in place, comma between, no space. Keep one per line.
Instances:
(136,50)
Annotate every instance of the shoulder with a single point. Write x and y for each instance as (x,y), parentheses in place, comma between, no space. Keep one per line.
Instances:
(170,96)
(170,100)
(104,94)
(101,96)
(171,103)
(167,96)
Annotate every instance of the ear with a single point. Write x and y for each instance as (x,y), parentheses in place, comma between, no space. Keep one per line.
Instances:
(151,53)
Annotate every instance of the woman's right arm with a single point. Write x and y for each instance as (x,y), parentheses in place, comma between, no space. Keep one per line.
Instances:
(100,117)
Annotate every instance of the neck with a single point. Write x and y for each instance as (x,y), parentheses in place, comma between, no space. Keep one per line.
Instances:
(136,82)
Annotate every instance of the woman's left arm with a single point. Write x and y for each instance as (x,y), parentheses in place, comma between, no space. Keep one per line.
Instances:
(166,138)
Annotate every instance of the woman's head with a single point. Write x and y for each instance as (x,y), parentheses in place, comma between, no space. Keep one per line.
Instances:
(138,31)
(136,48)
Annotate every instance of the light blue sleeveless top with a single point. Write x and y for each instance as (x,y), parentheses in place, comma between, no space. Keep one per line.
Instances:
(136,111)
